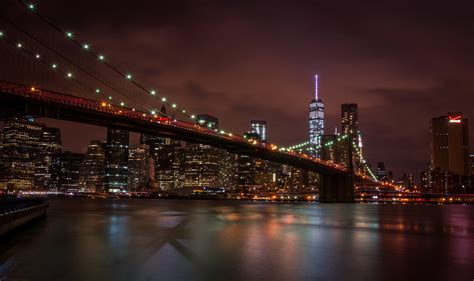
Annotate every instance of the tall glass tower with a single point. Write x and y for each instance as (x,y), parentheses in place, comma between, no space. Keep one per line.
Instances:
(316,121)
(259,127)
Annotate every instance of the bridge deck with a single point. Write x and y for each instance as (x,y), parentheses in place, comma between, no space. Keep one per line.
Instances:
(21,99)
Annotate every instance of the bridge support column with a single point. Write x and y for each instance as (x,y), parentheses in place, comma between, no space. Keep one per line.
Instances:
(336,188)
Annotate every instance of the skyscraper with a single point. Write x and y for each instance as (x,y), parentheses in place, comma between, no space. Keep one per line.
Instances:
(47,161)
(246,170)
(165,153)
(350,121)
(450,152)
(70,163)
(259,127)
(450,144)
(91,174)
(350,127)
(316,121)
(116,160)
(202,161)
(227,169)
(21,146)
(138,169)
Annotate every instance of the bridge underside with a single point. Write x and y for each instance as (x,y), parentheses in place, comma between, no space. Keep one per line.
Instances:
(335,185)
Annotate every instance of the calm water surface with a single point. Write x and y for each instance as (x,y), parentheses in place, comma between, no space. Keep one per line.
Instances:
(86,239)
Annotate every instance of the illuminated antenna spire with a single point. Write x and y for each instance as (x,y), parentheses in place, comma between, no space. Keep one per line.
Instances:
(316,87)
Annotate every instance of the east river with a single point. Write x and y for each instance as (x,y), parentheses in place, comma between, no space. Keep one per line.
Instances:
(87,239)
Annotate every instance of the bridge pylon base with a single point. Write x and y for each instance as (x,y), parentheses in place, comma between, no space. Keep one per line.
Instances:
(336,188)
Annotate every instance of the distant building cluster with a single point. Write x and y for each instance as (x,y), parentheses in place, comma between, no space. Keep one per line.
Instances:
(33,159)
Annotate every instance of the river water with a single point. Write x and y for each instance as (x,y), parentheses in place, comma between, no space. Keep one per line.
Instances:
(87,239)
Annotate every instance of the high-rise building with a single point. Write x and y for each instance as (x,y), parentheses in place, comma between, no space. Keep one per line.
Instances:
(47,162)
(202,166)
(21,147)
(350,121)
(350,127)
(316,121)
(202,161)
(259,127)
(227,169)
(381,172)
(116,160)
(450,151)
(70,163)
(450,144)
(246,170)
(138,169)
(91,174)
(165,153)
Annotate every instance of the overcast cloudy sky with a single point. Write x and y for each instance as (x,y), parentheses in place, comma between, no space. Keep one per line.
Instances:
(402,62)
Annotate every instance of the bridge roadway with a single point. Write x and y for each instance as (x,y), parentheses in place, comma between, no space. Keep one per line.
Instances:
(337,183)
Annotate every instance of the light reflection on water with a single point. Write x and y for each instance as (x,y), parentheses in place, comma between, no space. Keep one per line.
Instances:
(223,240)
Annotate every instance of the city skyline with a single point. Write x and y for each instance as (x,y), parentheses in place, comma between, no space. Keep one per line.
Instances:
(401,143)
(236,140)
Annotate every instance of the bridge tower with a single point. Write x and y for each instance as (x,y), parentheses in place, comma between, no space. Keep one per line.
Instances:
(338,188)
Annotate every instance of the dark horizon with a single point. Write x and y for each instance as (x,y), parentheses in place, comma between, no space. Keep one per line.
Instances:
(403,63)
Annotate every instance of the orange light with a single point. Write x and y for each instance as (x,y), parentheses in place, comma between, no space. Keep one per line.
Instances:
(103,104)
(33,89)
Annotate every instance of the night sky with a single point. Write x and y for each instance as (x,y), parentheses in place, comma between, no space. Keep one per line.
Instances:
(402,62)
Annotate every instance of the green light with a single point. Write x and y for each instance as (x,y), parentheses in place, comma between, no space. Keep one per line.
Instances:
(153,112)
(97,90)
(2,34)
(110,97)
(101,58)
(54,66)
(69,34)
(122,104)
(152,92)
(173,105)
(31,6)
(86,46)
(163,99)
(128,76)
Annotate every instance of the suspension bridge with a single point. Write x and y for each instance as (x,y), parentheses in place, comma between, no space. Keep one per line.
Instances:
(93,97)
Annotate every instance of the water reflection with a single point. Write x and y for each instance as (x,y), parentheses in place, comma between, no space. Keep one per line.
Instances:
(221,240)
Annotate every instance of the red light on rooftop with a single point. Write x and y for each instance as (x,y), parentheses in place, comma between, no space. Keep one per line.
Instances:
(455,118)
